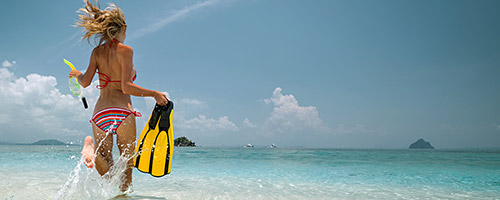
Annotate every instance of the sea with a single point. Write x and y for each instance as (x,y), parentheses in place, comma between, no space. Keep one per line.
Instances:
(57,172)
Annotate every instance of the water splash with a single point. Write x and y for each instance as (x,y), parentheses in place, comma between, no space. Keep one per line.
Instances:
(70,186)
(88,184)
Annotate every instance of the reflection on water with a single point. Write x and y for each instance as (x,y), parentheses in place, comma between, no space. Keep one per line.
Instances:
(40,172)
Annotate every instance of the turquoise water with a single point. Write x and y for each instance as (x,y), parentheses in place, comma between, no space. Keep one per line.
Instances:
(41,172)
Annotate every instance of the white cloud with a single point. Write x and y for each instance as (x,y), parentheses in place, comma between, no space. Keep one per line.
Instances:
(190,101)
(176,15)
(204,124)
(288,115)
(6,63)
(247,123)
(34,103)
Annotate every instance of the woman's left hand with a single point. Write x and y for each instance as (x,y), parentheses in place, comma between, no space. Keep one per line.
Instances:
(161,98)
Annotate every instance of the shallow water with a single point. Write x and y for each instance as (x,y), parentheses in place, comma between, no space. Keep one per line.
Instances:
(41,172)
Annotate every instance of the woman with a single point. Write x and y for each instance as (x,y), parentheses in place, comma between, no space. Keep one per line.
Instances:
(113,112)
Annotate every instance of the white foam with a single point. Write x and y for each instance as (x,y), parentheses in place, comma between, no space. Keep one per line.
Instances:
(88,184)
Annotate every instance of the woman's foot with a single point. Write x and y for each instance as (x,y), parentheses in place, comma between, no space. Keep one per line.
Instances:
(88,152)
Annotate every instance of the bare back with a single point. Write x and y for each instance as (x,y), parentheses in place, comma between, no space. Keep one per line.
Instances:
(109,61)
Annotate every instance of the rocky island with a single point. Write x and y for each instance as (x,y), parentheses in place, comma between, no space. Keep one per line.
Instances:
(421,144)
(183,142)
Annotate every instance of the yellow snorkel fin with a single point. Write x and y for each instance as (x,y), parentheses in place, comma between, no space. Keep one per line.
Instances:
(155,146)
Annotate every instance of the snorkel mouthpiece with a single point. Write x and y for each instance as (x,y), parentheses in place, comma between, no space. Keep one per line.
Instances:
(85,103)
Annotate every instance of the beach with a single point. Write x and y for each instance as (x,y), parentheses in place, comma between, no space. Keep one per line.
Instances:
(54,172)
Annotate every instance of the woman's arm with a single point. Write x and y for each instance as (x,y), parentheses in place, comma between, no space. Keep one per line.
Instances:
(128,86)
(86,79)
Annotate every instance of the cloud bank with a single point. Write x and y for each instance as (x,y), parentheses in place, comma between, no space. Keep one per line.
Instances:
(185,123)
(202,124)
(287,114)
(34,103)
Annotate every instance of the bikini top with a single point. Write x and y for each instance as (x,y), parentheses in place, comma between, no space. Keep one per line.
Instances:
(105,78)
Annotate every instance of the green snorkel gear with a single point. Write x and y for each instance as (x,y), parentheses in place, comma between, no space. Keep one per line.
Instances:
(75,87)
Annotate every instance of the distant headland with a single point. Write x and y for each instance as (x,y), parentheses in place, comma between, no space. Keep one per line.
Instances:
(48,142)
(39,142)
(421,144)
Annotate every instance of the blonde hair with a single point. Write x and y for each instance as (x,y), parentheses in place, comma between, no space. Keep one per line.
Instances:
(103,24)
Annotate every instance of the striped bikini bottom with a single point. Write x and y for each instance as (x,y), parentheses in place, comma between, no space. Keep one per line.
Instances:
(109,119)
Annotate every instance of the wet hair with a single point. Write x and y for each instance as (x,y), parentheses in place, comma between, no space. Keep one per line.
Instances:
(104,25)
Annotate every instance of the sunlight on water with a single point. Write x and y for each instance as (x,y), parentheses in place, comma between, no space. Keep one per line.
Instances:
(47,172)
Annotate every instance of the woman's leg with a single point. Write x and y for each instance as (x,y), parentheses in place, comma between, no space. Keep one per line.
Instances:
(103,153)
(125,139)
(88,152)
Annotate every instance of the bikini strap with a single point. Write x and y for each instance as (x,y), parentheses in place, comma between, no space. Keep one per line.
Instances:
(112,41)
(105,78)
(137,114)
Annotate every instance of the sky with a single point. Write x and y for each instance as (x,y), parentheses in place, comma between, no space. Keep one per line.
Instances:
(323,73)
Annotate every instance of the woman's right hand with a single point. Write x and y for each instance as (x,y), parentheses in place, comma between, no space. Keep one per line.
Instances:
(74,73)
(161,98)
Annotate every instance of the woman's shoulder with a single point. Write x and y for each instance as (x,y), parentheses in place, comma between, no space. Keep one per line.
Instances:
(122,48)
(124,51)
(97,49)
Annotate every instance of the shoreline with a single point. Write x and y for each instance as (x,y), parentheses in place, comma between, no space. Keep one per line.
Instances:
(472,149)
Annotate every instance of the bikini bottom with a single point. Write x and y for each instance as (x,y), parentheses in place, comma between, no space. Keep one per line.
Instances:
(109,119)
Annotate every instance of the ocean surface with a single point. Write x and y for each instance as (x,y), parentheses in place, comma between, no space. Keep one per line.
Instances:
(55,172)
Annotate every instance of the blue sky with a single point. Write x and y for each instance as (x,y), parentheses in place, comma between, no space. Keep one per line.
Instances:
(361,73)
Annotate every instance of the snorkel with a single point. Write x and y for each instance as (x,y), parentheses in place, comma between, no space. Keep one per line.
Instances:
(75,87)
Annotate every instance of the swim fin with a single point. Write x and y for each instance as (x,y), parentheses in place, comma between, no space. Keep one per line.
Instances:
(155,145)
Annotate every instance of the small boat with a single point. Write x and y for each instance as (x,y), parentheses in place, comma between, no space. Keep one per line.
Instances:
(273,146)
(248,146)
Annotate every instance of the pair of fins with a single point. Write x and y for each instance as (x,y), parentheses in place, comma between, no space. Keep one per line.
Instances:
(155,146)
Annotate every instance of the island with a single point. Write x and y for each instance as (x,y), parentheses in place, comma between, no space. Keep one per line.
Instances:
(183,142)
(48,142)
(45,142)
(421,144)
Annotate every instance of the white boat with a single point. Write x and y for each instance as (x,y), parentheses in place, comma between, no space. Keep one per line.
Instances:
(273,146)
(248,146)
